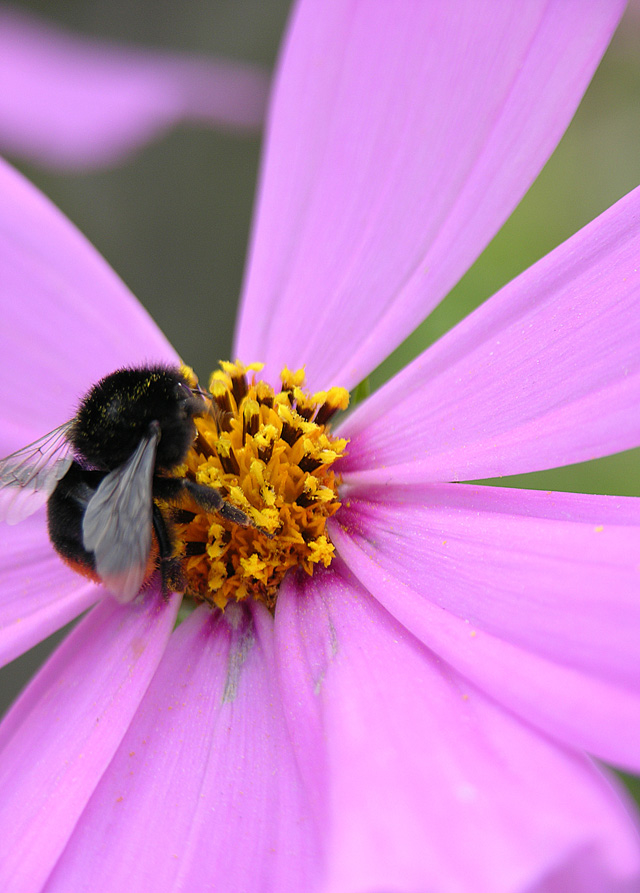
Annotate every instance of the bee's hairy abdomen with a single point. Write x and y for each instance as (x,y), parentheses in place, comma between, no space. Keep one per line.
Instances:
(65,511)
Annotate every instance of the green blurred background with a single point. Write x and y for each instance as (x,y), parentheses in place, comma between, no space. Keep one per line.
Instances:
(173,221)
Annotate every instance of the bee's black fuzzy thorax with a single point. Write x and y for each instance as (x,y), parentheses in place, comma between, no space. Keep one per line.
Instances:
(118,412)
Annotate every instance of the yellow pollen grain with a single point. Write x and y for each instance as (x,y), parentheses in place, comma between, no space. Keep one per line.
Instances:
(269,453)
(321,551)
(217,388)
(255,567)
(291,380)
(224,447)
(338,397)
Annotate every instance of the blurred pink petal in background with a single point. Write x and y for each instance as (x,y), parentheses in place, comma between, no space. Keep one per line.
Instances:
(75,103)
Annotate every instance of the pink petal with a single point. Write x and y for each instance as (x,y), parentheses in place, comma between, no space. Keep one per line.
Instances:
(39,594)
(67,318)
(546,373)
(73,102)
(61,734)
(533,596)
(401,137)
(427,784)
(203,793)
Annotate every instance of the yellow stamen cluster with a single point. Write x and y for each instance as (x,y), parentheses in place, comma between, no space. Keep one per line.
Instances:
(270,454)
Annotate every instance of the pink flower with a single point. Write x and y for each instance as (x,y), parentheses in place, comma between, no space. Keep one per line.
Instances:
(416,716)
(75,103)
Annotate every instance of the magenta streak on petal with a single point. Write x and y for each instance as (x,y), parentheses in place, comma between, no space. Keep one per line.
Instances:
(302,661)
(533,596)
(546,373)
(39,593)
(61,734)
(203,792)
(73,102)
(401,137)
(429,785)
(67,318)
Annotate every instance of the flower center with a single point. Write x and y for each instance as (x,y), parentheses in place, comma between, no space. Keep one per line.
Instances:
(270,454)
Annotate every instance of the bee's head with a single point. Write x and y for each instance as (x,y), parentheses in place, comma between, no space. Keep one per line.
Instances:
(117,414)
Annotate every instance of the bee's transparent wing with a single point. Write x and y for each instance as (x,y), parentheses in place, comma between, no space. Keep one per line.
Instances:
(118,519)
(29,476)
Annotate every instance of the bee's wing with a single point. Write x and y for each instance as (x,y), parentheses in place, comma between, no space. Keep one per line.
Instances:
(29,476)
(118,519)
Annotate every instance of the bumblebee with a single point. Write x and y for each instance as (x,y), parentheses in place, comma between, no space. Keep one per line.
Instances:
(103,472)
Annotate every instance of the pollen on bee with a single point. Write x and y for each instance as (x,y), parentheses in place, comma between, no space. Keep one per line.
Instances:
(269,453)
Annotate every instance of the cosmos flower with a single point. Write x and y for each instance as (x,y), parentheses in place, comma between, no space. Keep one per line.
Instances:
(74,103)
(416,715)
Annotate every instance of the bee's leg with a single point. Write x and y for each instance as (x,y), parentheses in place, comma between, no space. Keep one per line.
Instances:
(212,500)
(208,498)
(169,567)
